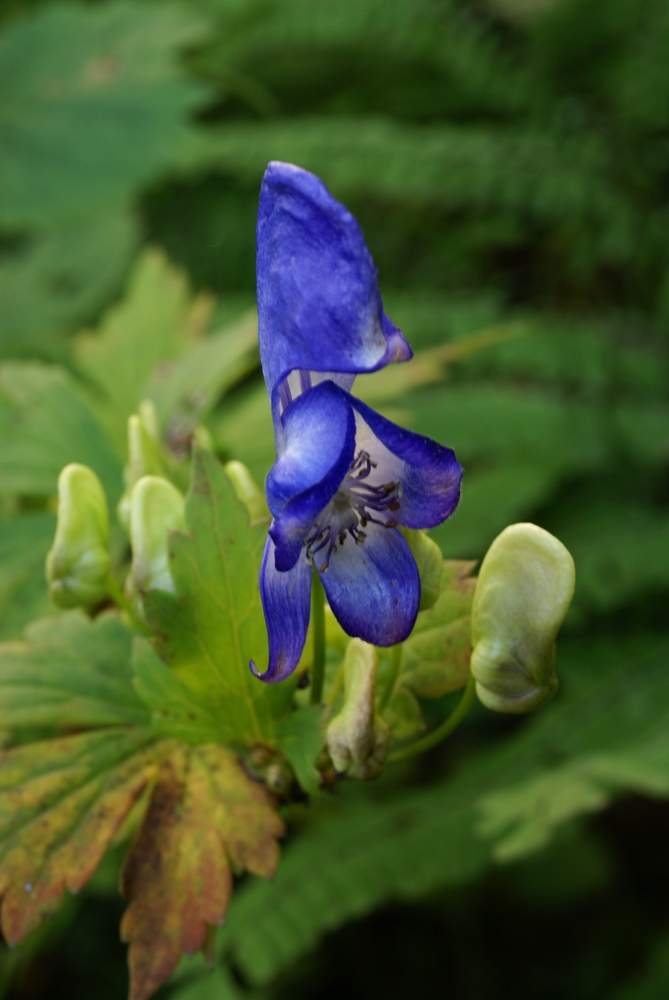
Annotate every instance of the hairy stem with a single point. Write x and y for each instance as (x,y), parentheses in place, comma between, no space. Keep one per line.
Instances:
(448,726)
(393,674)
(119,598)
(318,619)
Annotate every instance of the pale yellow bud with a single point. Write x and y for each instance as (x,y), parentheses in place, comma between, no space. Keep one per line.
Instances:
(357,739)
(247,492)
(77,567)
(144,458)
(156,508)
(522,596)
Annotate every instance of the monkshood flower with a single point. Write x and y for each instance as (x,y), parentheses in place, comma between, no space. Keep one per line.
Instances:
(344,477)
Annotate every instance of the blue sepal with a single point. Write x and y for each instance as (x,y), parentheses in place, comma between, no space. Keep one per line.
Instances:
(319,305)
(286,601)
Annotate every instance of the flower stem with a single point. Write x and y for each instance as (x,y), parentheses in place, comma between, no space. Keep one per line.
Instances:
(448,726)
(336,686)
(318,618)
(119,597)
(393,674)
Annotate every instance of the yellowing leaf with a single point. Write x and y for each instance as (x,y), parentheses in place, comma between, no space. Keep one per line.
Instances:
(435,659)
(205,820)
(61,803)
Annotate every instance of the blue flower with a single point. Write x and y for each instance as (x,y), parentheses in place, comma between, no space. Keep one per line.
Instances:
(344,477)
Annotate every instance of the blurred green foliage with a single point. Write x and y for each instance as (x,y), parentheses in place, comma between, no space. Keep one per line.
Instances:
(508,161)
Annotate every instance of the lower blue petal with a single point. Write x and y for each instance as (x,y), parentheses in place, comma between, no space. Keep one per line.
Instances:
(285,601)
(374,588)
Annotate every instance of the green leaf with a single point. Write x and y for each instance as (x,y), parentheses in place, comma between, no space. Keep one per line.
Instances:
(70,672)
(517,486)
(300,738)
(93,104)
(435,657)
(176,709)
(376,852)
(214,984)
(191,385)
(485,421)
(526,817)
(45,424)
(430,565)
(24,541)
(214,625)
(619,542)
(549,178)
(611,735)
(155,323)
(255,448)
(59,280)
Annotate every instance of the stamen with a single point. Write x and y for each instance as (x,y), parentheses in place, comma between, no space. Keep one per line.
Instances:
(351,509)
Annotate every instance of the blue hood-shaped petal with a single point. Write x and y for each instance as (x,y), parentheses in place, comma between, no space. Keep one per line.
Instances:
(319,306)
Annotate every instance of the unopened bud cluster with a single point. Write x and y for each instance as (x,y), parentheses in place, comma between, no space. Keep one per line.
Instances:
(78,567)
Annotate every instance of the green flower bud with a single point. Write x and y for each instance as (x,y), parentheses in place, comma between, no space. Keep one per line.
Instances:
(522,596)
(144,457)
(247,492)
(156,508)
(430,563)
(357,739)
(77,567)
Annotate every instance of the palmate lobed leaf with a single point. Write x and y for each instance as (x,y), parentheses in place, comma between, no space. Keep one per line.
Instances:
(64,799)
(206,819)
(214,625)
(24,538)
(70,672)
(61,803)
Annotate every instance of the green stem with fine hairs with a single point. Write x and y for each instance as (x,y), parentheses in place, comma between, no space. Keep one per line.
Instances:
(318,619)
(448,726)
